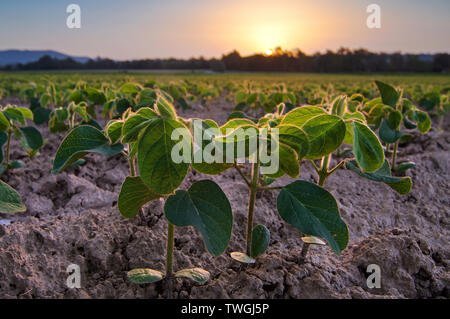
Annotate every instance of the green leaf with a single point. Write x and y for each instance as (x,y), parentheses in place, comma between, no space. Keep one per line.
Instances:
(401,185)
(129,88)
(33,137)
(133,126)
(243,258)
(75,97)
(41,115)
(423,121)
(395,119)
(404,166)
(389,95)
(10,201)
(144,276)
(260,240)
(4,123)
(240,97)
(300,115)
(349,118)
(156,167)
(196,274)
(14,114)
(314,211)
(339,105)
(80,141)
(133,195)
(325,133)
(114,131)
(367,148)
(165,108)
(205,207)
(387,134)
(294,137)
(95,97)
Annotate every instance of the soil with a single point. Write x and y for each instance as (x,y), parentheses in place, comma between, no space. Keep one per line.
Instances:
(72,218)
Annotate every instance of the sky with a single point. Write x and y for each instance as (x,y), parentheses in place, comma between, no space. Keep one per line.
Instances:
(135,29)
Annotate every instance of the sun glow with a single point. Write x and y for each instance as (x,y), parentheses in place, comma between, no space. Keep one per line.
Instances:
(269,52)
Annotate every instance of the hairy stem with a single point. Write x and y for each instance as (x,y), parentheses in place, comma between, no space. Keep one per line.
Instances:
(323,173)
(251,204)
(8,144)
(169,259)
(394,155)
(305,250)
(242,175)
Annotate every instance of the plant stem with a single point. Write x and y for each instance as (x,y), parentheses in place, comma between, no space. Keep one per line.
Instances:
(169,258)
(394,156)
(132,166)
(242,175)
(8,144)
(251,204)
(323,173)
(304,250)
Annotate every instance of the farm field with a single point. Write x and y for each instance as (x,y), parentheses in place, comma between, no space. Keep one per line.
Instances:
(363,179)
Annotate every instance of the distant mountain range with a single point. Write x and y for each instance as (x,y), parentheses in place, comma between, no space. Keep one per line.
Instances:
(13,57)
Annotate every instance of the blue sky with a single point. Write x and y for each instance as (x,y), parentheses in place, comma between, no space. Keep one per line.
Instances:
(123,29)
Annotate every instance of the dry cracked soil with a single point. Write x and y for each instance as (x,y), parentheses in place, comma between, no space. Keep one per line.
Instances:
(72,218)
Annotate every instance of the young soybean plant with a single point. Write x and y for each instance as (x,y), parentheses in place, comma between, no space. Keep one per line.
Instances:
(10,201)
(390,114)
(312,133)
(148,135)
(13,123)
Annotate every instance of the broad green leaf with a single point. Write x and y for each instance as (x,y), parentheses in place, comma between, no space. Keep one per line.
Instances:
(80,141)
(294,137)
(389,95)
(367,148)
(156,167)
(300,115)
(339,105)
(14,114)
(205,207)
(133,195)
(75,97)
(95,97)
(325,133)
(27,113)
(114,131)
(129,88)
(387,134)
(395,119)
(423,121)
(133,126)
(4,123)
(10,201)
(144,276)
(260,240)
(41,115)
(165,108)
(289,161)
(33,137)
(243,258)
(314,211)
(349,118)
(401,185)
(196,274)
(240,97)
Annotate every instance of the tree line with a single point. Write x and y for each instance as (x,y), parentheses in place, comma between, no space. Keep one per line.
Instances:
(343,60)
